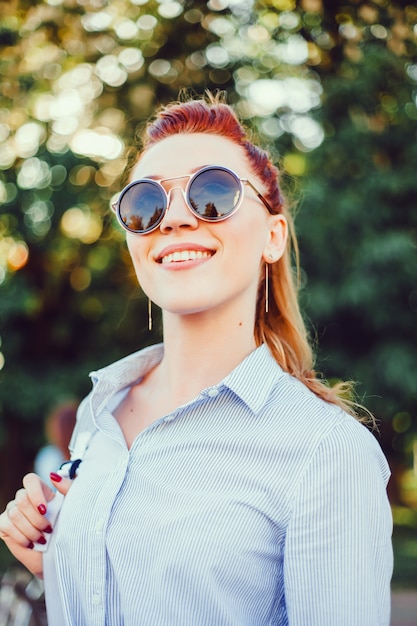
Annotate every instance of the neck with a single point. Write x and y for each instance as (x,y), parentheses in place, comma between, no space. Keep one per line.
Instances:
(200,350)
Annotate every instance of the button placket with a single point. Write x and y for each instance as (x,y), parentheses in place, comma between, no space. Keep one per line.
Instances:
(119,460)
(96,599)
(99,525)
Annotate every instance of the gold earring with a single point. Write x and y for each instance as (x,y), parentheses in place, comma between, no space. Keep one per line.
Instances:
(266,287)
(149,314)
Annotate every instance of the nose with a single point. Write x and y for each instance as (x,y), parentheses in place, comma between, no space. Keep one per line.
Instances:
(178,215)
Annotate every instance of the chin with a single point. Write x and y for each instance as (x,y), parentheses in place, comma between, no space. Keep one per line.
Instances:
(183,308)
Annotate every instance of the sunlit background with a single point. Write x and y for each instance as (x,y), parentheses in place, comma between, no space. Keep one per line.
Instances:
(329,87)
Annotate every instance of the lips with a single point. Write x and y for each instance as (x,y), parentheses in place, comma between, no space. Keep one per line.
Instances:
(183,254)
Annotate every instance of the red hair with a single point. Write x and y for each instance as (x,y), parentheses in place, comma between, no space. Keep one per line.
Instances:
(217,118)
(282,328)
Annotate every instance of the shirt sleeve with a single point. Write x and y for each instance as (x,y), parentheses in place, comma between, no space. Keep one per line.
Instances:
(338,552)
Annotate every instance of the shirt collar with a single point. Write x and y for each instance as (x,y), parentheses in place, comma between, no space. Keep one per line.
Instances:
(130,369)
(252,380)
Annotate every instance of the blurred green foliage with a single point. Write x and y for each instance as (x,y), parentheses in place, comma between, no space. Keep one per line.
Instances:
(330,87)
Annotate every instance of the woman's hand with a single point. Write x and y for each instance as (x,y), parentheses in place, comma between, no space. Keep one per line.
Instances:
(23,522)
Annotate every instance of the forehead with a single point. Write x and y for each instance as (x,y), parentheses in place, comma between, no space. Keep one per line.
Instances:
(184,153)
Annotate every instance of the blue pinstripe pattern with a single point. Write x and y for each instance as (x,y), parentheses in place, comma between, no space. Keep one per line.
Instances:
(255,504)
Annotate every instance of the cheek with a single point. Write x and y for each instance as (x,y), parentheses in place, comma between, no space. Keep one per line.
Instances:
(131,248)
(136,251)
(249,239)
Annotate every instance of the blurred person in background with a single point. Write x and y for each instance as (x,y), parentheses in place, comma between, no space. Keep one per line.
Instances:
(221,481)
(59,426)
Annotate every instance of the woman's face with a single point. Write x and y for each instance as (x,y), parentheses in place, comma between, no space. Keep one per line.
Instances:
(220,263)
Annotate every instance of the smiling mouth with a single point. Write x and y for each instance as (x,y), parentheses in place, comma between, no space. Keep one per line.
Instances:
(185,255)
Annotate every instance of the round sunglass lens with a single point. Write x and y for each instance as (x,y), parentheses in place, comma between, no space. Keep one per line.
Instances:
(214,193)
(142,206)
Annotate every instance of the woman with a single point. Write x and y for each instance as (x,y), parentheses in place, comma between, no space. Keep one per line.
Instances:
(59,426)
(221,482)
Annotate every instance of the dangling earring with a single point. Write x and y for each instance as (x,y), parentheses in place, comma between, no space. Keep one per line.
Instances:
(272,259)
(149,314)
(266,287)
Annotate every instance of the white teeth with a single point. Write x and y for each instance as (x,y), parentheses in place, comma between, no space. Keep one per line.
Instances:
(185,255)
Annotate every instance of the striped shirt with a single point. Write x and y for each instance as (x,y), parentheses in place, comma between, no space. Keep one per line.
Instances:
(254,504)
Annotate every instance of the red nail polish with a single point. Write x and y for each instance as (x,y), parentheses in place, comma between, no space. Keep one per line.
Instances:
(55,477)
(47,530)
(41,540)
(42,509)
(30,545)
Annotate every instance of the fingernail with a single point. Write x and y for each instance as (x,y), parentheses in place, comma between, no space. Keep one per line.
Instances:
(30,545)
(41,540)
(48,530)
(55,477)
(42,509)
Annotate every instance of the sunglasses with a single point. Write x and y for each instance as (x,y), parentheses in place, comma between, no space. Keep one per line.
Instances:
(212,194)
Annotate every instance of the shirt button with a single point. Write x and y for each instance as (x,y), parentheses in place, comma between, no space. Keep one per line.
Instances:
(96,599)
(212,393)
(99,526)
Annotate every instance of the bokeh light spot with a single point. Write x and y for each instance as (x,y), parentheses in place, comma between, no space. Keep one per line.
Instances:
(217,55)
(79,223)
(3,193)
(28,139)
(7,154)
(18,255)
(98,143)
(294,164)
(126,29)
(34,173)
(307,131)
(170,10)
(131,58)
(92,308)
(80,278)
(401,422)
(147,22)
(81,175)
(96,21)
(110,72)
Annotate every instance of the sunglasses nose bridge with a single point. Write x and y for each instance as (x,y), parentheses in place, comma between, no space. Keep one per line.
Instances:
(168,193)
(181,213)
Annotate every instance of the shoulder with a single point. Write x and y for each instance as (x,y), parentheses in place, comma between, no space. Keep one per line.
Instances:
(313,428)
(298,407)
(351,445)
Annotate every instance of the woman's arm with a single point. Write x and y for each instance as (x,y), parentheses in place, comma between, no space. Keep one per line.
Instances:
(338,553)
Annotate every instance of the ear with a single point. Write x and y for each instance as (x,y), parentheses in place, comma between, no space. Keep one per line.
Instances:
(277,238)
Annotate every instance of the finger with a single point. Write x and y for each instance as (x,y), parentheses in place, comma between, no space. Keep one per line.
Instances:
(4,521)
(62,484)
(22,526)
(34,516)
(39,493)
(10,531)
(10,504)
